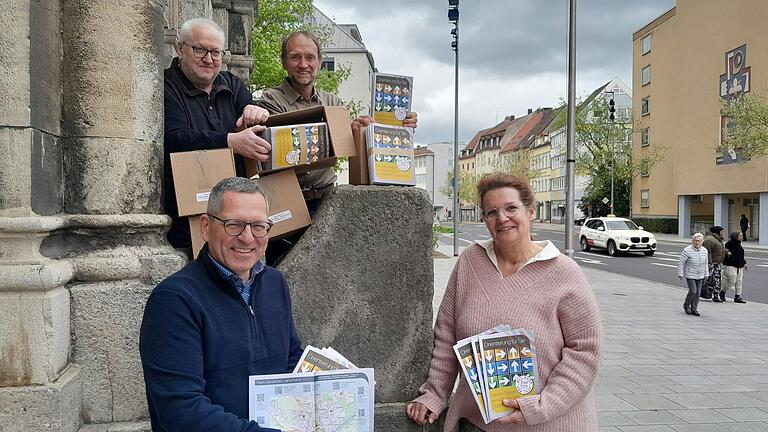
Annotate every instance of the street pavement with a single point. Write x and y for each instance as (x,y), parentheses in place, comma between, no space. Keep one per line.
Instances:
(664,371)
(662,267)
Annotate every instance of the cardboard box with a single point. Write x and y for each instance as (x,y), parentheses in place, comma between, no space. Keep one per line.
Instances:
(390,155)
(358,165)
(194,231)
(296,144)
(287,209)
(195,173)
(339,132)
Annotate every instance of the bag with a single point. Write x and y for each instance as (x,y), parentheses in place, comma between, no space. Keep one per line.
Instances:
(706,290)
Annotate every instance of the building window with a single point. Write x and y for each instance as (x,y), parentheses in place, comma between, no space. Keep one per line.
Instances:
(644,171)
(645,108)
(329,63)
(697,199)
(646,44)
(644,198)
(645,75)
(644,141)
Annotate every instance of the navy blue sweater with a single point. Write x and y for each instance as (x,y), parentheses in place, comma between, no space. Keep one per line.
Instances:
(200,341)
(195,120)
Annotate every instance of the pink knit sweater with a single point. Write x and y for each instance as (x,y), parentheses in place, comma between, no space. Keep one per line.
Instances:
(552,298)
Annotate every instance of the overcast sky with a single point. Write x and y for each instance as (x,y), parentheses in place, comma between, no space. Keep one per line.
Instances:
(513,53)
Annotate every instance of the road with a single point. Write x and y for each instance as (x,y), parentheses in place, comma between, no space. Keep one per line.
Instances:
(662,267)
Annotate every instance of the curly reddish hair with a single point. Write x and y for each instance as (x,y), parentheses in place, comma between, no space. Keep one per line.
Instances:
(499,180)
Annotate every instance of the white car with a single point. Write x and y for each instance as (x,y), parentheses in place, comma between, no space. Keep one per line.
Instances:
(616,235)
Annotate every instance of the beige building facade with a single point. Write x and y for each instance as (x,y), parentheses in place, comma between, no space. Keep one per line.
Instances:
(685,63)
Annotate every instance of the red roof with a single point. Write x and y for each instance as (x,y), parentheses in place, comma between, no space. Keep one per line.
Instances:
(422,151)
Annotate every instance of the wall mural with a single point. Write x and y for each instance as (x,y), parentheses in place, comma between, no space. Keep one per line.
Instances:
(733,83)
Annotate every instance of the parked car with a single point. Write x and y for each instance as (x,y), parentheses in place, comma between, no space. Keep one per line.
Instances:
(616,235)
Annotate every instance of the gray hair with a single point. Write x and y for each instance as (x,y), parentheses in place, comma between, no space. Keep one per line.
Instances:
(232,184)
(185,32)
(697,236)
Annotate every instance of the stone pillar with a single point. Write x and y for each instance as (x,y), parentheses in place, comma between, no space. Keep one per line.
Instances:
(38,389)
(369,294)
(762,226)
(683,216)
(721,210)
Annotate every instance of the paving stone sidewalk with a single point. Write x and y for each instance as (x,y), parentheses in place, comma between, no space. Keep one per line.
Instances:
(664,371)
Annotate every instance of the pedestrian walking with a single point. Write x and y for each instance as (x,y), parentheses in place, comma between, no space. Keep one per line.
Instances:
(713,242)
(734,265)
(744,225)
(693,268)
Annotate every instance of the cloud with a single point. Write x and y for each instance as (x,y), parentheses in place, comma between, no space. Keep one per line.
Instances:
(513,54)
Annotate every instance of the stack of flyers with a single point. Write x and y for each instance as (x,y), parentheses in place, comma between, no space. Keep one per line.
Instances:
(499,364)
(390,155)
(322,359)
(391,98)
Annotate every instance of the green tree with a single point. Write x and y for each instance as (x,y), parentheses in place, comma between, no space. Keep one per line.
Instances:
(747,128)
(604,148)
(276,19)
(467,187)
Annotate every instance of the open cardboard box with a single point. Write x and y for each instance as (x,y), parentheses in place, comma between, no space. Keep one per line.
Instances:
(339,130)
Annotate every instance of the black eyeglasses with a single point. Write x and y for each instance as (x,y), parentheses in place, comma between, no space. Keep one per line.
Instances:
(200,52)
(235,227)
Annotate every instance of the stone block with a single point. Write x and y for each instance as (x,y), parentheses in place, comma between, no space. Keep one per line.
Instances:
(142,426)
(361,281)
(47,188)
(120,98)
(45,68)
(15,170)
(112,176)
(390,417)
(239,34)
(106,318)
(14,69)
(52,407)
(34,336)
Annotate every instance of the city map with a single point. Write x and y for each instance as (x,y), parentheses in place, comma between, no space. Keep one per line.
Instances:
(326,401)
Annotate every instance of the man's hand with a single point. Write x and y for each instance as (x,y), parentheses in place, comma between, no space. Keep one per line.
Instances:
(420,414)
(515,417)
(252,115)
(361,122)
(411,118)
(247,143)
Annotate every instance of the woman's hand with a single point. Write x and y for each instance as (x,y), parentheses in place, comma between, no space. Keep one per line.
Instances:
(515,417)
(420,414)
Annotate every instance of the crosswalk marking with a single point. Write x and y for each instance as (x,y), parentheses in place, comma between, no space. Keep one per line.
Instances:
(664,265)
(665,259)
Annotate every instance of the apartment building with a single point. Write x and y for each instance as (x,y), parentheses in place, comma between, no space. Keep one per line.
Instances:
(685,63)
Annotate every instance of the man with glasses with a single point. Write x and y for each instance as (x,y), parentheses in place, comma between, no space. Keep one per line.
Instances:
(221,318)
(206,108)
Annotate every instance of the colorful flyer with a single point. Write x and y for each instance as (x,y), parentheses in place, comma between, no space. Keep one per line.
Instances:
(467,359)
(509,369)
(390,155)
(315,360)
(296,144)
(391,99)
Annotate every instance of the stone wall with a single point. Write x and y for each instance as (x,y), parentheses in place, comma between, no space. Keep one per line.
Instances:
(82,231)
(81,224)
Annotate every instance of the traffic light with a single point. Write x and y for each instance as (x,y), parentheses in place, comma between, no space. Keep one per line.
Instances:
(612,109)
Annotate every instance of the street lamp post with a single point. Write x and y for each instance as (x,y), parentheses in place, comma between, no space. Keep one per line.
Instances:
(570,167)
(453,16)
(612,118)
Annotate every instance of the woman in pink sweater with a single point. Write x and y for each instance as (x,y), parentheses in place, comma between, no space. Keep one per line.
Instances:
(513,280)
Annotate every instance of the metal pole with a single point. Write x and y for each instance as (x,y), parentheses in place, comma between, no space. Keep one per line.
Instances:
(612,162)
(456,149)
(571,152)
